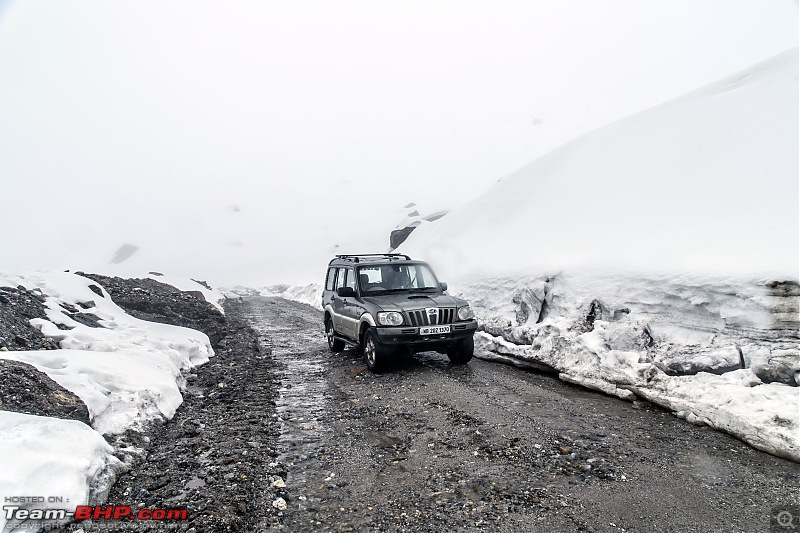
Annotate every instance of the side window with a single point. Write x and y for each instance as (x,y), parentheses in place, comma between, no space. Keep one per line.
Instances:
(351,279)
(329,282)
(340,277)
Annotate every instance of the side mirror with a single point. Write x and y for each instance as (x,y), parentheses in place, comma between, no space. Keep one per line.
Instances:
(344,292)
(443,285)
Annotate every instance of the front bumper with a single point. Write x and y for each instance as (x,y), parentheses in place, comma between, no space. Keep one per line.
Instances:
(409,335)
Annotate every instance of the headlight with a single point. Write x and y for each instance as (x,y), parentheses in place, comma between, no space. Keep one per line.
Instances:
(465,313)
(390,318)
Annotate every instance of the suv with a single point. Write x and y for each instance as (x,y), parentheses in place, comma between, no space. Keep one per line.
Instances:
(389,305)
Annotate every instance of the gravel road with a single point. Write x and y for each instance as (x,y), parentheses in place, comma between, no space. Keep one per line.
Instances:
(276,433)
(486,447)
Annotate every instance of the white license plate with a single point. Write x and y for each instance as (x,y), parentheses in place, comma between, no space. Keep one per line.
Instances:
(434,330)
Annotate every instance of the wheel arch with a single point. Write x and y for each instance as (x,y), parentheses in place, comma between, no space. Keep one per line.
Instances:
(364,324)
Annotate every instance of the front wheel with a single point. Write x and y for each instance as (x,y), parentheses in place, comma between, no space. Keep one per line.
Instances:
(461,351)
(374,352)
(336,345)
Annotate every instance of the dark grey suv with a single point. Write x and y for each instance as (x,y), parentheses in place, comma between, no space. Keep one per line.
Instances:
(390,305)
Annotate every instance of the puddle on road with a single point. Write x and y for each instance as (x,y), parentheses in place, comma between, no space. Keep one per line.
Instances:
(708,470)
(301,405)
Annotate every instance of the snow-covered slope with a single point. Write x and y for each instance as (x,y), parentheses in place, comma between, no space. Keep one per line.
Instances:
(704,183)
(128,372)
(656,257)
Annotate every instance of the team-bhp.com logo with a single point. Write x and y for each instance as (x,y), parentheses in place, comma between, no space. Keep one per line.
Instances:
(19,517)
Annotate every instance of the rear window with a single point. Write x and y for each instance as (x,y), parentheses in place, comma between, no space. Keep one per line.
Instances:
(331,279)
(350,280)
(340,277)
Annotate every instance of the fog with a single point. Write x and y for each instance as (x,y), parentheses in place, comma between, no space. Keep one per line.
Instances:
(242,144)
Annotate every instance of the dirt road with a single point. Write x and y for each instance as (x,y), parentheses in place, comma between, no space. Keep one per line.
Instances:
(433,447)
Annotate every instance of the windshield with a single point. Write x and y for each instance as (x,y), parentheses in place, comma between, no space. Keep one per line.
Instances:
(376,279)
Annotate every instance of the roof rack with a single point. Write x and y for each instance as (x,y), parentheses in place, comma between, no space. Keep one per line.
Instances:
(355,258)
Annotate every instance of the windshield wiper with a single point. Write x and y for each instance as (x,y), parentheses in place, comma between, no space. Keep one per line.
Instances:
(389,291)
(423,289)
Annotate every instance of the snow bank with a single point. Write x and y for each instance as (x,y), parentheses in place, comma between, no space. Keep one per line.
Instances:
(49,457)
(121,392)
(128,372)
(310,294)
(705,350)
(211,295)
(655,257)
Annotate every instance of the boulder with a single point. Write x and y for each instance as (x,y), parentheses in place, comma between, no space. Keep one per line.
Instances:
(780,365)
(399,236)
(692,360)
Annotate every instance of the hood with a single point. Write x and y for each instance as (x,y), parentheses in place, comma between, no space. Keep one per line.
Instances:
(411,302)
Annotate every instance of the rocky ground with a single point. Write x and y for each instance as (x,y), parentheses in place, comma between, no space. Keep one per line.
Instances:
(277,433)
(23,389)
(216,457)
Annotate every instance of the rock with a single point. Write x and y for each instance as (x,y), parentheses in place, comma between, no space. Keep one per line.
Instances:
(495,325)
(152,300)
(628,335)
(773,366)
(202,283)
(785,306)
(17,307)
(197,294)
(279,504)
(532,302)
(691,360)
(399,236)
(594,311)
(24,389)
(87,319)
(97,290)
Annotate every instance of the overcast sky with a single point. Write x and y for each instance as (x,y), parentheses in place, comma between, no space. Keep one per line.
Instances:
(137,120)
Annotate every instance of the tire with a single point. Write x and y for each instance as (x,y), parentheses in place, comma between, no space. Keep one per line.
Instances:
(336,345)
(461,352)
(375,353)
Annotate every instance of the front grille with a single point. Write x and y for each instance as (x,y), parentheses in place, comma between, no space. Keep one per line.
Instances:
(444,315)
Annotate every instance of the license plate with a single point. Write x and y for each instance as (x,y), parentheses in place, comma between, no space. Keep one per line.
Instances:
(434,330)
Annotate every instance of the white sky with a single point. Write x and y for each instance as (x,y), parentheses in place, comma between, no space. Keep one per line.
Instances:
(143,121)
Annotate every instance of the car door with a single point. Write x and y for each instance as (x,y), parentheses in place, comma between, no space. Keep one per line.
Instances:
(348,318)
(330,286)
(337,302)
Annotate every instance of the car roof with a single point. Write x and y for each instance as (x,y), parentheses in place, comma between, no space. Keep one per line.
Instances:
(373,260)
